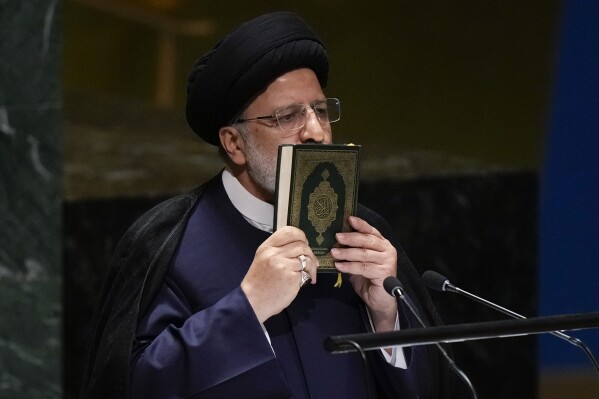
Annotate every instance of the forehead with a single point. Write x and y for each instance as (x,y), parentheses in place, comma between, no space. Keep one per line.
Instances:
(299,86)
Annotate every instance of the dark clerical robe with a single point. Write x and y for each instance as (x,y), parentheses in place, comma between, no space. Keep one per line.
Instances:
(191,331)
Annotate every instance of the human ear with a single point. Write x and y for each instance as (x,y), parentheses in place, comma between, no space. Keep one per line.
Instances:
(233,144)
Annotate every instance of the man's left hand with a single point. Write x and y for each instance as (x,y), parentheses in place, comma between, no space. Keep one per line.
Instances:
(369,258)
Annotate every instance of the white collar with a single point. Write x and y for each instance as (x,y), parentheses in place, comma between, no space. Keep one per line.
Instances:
(257,212)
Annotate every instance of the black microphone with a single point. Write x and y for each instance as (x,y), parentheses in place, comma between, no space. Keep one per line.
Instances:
(394,288)
(439,282)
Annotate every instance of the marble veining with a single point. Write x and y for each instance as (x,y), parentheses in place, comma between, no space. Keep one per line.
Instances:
(34,154)
(48,26)
(5,126)
(30,200)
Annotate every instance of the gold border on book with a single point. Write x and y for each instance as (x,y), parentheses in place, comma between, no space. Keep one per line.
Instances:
(346,163)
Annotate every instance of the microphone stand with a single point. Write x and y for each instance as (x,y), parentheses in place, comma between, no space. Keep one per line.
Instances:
(397,292)
(448,286)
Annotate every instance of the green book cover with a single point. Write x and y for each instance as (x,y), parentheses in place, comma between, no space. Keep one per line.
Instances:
(316,191)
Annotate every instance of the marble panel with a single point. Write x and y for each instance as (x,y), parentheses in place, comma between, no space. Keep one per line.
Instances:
(30,199)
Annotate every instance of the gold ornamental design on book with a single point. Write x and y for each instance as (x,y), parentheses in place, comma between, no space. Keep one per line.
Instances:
(316,191)
(319,205)
(322,207)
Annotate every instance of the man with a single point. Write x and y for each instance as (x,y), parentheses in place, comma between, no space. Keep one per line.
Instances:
(204,301)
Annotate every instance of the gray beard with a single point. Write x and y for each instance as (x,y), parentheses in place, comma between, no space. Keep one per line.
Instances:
(261,167)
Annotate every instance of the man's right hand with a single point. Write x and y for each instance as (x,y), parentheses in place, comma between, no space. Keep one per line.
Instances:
(273,279)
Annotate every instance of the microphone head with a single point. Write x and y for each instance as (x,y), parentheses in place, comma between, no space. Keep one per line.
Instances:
(391,284)
(435,281)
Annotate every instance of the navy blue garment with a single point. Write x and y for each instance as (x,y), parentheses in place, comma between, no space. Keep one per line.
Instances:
(161,340)
(200,337)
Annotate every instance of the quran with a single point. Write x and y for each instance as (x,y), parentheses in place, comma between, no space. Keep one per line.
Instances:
(316,191)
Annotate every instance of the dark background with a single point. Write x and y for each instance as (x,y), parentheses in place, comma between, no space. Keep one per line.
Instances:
(479,124)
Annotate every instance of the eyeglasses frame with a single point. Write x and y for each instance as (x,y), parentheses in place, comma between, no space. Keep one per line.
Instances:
(312,106)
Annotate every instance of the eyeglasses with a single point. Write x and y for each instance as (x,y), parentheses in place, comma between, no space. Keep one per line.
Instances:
(293,117)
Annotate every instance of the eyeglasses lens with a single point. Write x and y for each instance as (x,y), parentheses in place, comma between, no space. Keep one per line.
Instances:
(294,117)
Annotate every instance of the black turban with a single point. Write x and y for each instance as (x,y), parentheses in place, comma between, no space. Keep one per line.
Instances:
(223,81)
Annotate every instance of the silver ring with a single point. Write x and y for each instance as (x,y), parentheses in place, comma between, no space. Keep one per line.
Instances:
(303,259)
(305,277)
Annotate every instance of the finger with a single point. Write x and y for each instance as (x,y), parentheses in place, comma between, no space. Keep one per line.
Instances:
(367,270)
(303,262)
(362,240)
(363,255)
(296,249)
(362,226)
(286,235)
(311,266)
(291,242)
(364,262)
(291,251)
(289,275)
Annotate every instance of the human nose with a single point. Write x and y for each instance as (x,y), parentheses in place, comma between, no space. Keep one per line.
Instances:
(314,130)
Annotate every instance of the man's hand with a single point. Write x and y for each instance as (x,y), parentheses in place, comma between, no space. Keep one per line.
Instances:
(273,279)
(369,258)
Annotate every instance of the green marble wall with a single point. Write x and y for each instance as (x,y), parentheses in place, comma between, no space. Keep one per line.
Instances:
(30,199)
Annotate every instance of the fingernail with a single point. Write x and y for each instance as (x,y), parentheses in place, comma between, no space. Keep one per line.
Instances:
(334,251)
